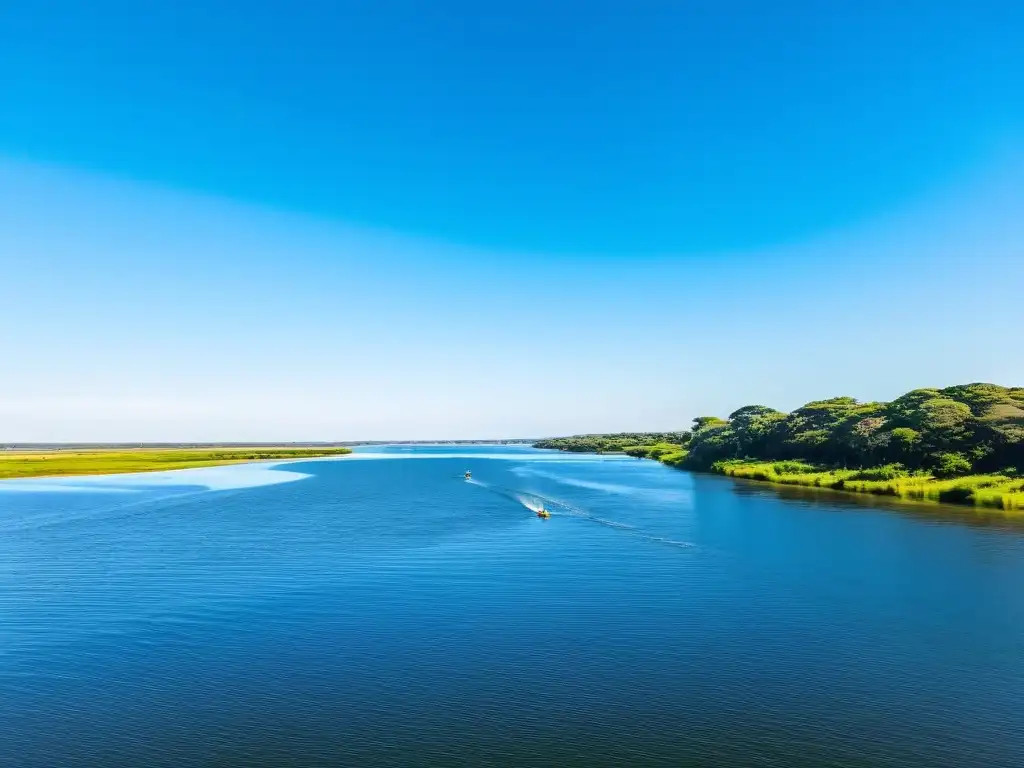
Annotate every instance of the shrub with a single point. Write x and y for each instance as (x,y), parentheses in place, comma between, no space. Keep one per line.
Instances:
(887,472)
(793,468)
(675,459)
(951,465)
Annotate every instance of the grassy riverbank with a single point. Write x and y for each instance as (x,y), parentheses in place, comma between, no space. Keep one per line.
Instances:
(54,463)
(990,491)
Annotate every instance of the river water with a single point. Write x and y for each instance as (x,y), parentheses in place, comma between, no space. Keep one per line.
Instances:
(380,610)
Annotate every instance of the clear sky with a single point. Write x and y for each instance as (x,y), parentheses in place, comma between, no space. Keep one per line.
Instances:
(371,220)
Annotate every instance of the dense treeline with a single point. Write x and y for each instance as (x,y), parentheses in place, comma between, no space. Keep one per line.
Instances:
(611,442)
(962,444)
(949,432)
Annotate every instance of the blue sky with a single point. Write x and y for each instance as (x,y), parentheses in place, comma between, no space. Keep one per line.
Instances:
(371,220)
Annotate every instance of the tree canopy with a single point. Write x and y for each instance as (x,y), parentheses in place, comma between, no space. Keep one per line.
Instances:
(969,427)
(955,430)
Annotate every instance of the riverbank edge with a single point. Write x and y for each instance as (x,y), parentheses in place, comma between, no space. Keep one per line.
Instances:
(983,493)
(50,464)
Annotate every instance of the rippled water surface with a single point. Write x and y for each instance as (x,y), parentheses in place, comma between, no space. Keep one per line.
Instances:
(380,610)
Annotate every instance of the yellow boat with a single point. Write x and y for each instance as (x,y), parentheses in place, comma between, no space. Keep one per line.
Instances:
(543,513)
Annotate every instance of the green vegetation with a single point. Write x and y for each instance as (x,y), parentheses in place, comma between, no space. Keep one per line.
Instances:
(672,454)
(613,443)
(107,462)
(990,491)
(949,432)
(961,444)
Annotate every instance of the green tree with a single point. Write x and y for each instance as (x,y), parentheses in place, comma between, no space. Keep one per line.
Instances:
(812,431)
(979,397)
(867,440)
(901,411)
(703,422)
(942,415)
(753,427)
(905,446)
(944,424)
(951,464)
(711,443)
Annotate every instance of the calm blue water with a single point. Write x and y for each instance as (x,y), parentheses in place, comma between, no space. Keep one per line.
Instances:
(385,612)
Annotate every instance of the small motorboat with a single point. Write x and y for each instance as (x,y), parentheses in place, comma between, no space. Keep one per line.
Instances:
(543,513)
(468,474)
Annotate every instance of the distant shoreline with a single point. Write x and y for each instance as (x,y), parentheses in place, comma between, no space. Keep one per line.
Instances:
(80,461)
(135,446)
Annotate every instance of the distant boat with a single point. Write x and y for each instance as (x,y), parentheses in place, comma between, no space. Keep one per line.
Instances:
(543,513)
(468,474)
